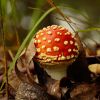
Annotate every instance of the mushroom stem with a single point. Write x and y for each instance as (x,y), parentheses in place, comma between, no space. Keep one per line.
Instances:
(57,72)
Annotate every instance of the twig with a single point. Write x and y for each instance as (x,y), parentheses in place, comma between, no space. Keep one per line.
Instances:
(4,47)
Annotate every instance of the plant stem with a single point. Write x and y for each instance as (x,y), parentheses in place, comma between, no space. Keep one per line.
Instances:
(4,48)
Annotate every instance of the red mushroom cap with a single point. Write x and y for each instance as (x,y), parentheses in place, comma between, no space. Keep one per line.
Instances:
(55,44)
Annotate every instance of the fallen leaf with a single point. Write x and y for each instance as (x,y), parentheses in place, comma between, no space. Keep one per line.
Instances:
(25,59)
(94,68)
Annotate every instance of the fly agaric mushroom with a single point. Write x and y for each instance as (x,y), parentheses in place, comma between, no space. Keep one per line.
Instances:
(56,48)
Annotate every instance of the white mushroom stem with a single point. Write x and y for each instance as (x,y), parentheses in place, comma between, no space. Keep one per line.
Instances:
(57,71)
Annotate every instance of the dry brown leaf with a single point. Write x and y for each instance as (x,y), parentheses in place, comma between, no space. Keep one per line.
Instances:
(98,52)
(30,51)
(89,52)
(14,81)
(25,60)
(3,98)
(84,92)
(94,68)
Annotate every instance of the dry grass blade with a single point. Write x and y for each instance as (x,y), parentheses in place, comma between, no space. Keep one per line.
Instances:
(36,9)
(67,19)
(64,20)
(53,5)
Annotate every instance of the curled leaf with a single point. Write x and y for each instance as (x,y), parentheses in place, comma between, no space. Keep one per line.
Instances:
(25,60)
(21,75)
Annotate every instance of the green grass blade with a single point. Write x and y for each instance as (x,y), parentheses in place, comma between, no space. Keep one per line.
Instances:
(28,38)
(3,4)
(37,13)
